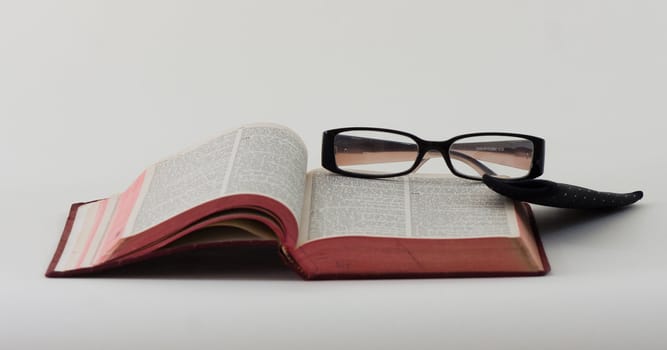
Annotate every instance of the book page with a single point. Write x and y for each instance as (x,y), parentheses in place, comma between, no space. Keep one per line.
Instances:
(86,236)
(455,208)
(263,159)
(228,230)
(417,206)
(270,161)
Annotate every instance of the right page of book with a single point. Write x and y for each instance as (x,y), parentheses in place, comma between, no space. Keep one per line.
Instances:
(416,206)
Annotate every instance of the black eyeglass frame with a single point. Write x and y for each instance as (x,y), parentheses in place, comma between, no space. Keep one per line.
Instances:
(424,146)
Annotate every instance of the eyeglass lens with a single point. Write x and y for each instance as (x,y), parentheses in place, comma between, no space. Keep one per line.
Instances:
(370,152)
(498,155)
(374,152)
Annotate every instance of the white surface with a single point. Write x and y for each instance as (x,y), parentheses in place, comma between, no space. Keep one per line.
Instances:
(91,92)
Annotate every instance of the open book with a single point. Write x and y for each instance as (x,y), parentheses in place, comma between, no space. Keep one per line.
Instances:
(250,186)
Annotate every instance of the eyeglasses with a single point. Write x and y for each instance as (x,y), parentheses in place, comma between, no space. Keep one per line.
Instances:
(378,153)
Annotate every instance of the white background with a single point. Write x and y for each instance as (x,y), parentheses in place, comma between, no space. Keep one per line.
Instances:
(91,92)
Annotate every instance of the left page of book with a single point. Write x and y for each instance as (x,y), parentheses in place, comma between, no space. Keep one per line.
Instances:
(264,159)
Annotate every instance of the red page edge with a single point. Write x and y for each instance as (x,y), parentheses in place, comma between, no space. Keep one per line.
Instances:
(284,217)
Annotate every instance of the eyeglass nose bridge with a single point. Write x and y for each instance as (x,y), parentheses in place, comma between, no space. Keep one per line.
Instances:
(432,149)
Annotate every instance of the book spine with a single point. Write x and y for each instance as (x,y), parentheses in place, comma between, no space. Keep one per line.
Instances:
(291,263)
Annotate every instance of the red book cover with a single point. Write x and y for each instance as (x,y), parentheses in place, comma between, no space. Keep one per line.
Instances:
(331,258)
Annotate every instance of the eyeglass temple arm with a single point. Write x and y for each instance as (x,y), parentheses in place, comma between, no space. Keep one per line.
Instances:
(513,153)
(510,153)
(352,153)
(353,150)
(478,166)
